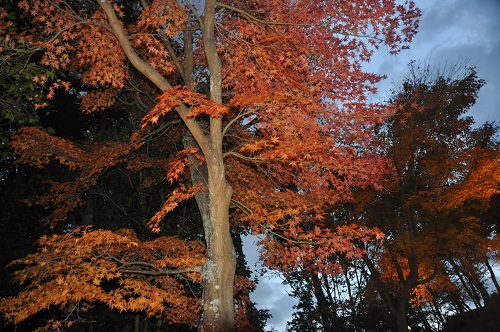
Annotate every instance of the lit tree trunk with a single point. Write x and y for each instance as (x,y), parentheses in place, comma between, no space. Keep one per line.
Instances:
(219,269)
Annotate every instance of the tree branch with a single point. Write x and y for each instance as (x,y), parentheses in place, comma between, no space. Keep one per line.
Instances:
(254,19)
(239,116)
(152,74)
(160,272)
(429,278)
(238,155)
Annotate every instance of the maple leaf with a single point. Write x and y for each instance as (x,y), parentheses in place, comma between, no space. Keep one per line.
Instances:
(106,256)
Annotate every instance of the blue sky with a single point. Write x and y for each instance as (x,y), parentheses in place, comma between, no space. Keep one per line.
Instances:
(450,31)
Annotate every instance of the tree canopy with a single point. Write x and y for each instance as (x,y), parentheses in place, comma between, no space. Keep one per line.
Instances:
(257,110)
(431,210)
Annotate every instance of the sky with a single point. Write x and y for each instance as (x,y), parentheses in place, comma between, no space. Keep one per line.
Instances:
(450,31)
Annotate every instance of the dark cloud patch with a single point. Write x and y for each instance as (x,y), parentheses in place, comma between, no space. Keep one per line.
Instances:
(270,294)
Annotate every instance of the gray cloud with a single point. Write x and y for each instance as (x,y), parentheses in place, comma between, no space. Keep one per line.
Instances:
(450,32)
(270,294)
(464,29)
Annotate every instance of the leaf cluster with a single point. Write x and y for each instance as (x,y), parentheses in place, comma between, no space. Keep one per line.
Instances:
(115,268)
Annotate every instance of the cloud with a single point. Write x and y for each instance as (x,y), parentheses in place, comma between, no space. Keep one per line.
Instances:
(463,29)
(452,31)
(270,294)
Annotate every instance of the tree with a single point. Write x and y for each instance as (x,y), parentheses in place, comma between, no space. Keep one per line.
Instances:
(105,258)
(272,97)
(444,175)
(21,100)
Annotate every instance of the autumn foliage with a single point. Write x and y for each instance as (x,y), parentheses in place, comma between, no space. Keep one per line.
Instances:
(445,173)
(259,110)
(75,270)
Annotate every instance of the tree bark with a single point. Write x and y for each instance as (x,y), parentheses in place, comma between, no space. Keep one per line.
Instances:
(352,300)
(438,314)
(137,324)
(324,308)
(398,306)
(219,268)
(472,275)
(401,315)
(470,291)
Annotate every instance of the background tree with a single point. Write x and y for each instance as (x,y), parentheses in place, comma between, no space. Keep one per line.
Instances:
(445,173)
(435,210)
(287,138)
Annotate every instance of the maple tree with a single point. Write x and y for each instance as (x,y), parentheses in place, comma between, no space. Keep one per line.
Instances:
(103,259)
(273,99)
(444,175)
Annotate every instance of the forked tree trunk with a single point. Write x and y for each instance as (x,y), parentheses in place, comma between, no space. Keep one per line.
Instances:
(324,307)
(398,306)
(220,266)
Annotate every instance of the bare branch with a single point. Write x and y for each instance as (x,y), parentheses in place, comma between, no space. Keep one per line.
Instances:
(239,116)
(238,155)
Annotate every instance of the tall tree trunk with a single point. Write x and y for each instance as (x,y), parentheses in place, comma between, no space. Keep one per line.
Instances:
(137,324)
(438,314)
(401,315)
(472,275)
(219,268)
(423,319)
(352,300)
(333,304)
(470,291)
(398,306)
(470,272)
